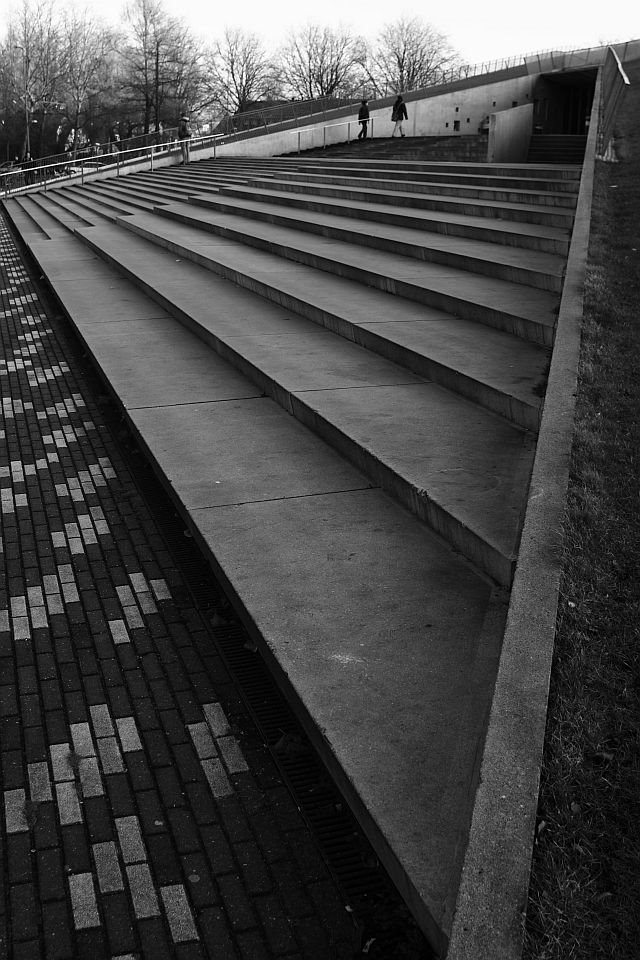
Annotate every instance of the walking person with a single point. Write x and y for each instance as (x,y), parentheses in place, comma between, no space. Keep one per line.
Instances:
(184,135)
(398,116)
(363,119)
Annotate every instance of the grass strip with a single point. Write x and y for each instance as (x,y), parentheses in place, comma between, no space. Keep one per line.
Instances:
(584,898)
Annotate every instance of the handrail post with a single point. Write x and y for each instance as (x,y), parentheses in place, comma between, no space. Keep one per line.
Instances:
(349,131)
(81,169)
(152,158)
(298,141)
(324,138)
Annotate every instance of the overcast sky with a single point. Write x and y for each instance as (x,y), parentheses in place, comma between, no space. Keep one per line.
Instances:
(478,31)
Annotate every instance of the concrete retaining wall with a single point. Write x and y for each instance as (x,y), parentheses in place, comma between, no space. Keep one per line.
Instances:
(509,135)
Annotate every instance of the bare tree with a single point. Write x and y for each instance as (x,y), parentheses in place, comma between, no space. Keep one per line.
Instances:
(321,62)
(31,56)
(161,64)
(407,55)
(85,59)
(238,72)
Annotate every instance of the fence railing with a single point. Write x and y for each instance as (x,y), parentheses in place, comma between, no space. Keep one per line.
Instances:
(614,83)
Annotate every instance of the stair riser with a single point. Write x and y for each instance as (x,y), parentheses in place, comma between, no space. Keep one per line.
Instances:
(488,268)
(500,320)
(470,231)
(542,216)
(456,533)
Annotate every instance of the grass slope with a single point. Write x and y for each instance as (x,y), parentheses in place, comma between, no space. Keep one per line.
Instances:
(584,897)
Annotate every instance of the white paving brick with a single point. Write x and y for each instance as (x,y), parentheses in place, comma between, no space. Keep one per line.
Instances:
(217,778)
(161,589)
(107,867)
(202,740)
(82,740)
(69,809)
(134,619)
(83,901)
(139,582)
(128,733)
(179,914)
(119,632)
(90,778)
(61,762)
(143,895)
(14,811)
(131,842)
(216,718)
(232,755)
(110,756)
(101,720)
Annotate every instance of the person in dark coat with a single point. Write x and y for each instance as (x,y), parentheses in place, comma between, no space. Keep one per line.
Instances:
(184,135)
(398,115)
(363,119)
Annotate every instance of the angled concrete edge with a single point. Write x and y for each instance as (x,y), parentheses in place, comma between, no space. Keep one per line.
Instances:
(492,897)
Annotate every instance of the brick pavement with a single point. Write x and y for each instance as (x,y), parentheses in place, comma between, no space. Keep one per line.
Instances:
(141,813)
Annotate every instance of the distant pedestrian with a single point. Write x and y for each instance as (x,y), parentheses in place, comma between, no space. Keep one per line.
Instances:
(184,135)
(363,119)
(398,115)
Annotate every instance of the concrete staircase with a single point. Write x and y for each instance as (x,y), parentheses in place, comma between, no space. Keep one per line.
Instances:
(557,148)
(346,412)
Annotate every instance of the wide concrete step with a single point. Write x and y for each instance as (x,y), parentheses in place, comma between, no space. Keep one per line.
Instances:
(486,179)
(462,470)
(28,225)
(523,213)
(537,269)
(528,236)
(371,624)
(497,303)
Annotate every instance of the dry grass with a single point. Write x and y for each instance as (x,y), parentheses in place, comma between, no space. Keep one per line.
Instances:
(585,887)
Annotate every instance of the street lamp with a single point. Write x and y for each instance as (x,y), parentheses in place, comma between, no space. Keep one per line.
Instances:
(18,46)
